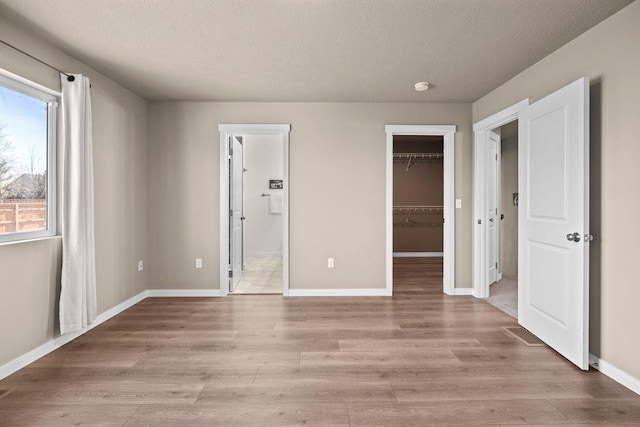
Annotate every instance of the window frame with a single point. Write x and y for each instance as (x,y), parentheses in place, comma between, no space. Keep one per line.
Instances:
(52,99)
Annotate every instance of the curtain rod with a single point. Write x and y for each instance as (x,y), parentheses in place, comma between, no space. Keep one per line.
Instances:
(69,76)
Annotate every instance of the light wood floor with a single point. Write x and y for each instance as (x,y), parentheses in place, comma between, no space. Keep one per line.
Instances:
(419,358)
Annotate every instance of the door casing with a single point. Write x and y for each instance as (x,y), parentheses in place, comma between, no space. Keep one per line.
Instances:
(256,129)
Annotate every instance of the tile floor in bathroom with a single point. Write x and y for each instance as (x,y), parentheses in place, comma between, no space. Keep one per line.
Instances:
(262,275)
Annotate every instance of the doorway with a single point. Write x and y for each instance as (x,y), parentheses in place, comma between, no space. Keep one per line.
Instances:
(254,220)
(490,198)
(418,187)
(444,210)
(502,211)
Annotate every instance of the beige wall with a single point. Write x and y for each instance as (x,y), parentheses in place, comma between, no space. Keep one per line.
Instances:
(30,270)
(508,261)
(337,188)
(609,55)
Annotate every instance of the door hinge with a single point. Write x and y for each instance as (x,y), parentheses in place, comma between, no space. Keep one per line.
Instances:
(231,151)
(479,222)
(230,212)
(496,265)
(496,157)
(230,273)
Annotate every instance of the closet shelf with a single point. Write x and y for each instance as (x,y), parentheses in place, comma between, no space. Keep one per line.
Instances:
(417,156)
(417,209)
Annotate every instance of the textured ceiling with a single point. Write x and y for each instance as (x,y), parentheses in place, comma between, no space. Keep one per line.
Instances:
(309,50)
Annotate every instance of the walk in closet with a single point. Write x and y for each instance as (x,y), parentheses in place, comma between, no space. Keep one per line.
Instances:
(418,196)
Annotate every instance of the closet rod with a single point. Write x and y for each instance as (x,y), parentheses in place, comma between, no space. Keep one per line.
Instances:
(69,76)
(418,208)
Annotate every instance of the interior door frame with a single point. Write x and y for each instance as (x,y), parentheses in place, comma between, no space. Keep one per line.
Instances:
(251,129)
(448,133)
(481,131)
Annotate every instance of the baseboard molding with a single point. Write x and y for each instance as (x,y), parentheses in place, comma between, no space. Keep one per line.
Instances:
(57,342)
(463,291)
(498,278)
(417,254)
(183,293)
(616,374)
(357,292)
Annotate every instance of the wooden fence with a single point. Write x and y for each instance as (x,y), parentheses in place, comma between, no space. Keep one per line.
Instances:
(22,215)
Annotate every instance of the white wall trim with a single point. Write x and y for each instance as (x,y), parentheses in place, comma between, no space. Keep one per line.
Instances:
(417,254)
(480,239)
(463,291)
(448,132)
(616,374)
(261,129)
(152,293)
(57,342)
(356,292)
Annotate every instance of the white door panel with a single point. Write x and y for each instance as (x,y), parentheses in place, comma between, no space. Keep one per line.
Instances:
(492,205)
(553,270)
(236,220)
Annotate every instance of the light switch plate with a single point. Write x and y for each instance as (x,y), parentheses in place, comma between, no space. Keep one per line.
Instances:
(458,203)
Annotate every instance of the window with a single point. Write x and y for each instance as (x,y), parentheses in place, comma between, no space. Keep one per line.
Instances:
(27,160)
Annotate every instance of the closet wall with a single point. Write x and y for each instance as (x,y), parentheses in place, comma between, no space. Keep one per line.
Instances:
(418,194)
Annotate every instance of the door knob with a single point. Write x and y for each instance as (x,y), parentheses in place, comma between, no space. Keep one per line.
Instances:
(242,218)
(491,219)
(574,237)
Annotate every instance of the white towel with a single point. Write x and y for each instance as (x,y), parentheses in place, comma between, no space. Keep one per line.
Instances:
(275,203)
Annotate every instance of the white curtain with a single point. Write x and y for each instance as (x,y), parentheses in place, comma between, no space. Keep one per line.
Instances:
(78,294)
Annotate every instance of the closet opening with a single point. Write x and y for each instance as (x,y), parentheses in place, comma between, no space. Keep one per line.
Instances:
(418,211)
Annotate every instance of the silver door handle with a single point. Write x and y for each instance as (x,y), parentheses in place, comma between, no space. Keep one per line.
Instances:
(574,237)
(588,237)
(491,219)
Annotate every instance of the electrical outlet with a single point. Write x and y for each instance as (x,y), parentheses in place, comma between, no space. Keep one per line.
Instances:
(198,262)
(330,263)
(140,265)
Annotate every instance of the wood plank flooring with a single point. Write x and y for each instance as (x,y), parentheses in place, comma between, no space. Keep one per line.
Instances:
(419,358)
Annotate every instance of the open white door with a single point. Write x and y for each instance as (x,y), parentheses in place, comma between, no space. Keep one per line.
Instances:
(235,218)
(492,206)
(553,282)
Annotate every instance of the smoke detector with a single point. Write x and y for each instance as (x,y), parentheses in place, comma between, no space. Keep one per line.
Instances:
(421,86)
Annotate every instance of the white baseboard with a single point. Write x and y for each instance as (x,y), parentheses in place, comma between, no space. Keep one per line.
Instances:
(183,292)
(463,291)
(616,374)
(417,254)
(357,292)
(57,342)
(498,278)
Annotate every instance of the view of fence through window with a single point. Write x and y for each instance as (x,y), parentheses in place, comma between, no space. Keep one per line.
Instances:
(23,163)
